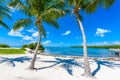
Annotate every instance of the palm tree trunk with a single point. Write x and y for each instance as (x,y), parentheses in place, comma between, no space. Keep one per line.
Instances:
(36,50)
(87,70)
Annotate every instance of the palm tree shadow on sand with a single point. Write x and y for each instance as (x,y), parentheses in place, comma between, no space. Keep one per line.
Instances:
(104,63)
(64,63)
(11,61)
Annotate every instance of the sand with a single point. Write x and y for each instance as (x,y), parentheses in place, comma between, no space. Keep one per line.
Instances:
(15,67)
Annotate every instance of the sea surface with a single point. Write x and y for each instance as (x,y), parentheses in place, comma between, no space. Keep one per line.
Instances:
(92,52)
(67,51)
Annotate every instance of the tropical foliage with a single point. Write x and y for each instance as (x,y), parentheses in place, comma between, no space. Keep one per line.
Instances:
(87,6)
(47,11)
(4,46)
(4,12)
(32,46)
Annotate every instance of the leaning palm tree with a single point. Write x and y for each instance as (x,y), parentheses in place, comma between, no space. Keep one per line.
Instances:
(44,11)
(88,6)
(4,12)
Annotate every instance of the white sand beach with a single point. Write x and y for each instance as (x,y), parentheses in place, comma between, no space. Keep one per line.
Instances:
(14,67)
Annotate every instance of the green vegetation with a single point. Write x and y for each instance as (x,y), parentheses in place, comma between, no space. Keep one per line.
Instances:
(4,13)
(88,6)
(44,11)
(12,51)
(32,46)
(4,46)
(106,47)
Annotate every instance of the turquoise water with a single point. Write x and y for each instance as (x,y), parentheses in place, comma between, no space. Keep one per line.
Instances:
(92,52)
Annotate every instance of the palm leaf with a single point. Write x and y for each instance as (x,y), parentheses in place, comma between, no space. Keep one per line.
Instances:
(59,4)
(107,3)
(50,16)
(20,6)
(43,31)
(5,14)
(5,25)
(51,21)
(22,23)
(90,7)
(55,13)
(4,11)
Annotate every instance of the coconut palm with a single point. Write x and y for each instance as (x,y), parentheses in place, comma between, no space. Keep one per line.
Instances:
(88,6)
(47,11)
(4,12)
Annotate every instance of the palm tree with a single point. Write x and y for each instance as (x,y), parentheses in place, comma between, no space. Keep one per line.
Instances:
(47,11)
(4,12)
(88,6)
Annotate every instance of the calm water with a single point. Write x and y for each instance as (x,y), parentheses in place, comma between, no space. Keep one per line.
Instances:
(92,52)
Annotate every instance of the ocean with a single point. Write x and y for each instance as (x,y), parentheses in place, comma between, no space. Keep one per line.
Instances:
(67,51)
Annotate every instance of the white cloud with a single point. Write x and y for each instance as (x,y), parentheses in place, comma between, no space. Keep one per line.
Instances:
(100,32)
(15,33)
(99,43)
(66,33)
(27,38)
(35,34)
(31,30)
(105,43)
(47,42)
(116,43)
(19,34)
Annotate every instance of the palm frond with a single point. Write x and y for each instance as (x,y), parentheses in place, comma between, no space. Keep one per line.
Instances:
(56,13)
(5,11)
(90,7)
(20,6)
(13,3)
(22,23)
(5,14)
(59,4)
(51,21)
(50,16)
(43,31)
(107,3)
(70,2)
(4,25)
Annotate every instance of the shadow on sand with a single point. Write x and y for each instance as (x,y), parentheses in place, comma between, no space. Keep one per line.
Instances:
(104,63)
(64,63)
(12,61)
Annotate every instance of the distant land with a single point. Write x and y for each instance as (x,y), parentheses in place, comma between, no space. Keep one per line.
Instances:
(106,47)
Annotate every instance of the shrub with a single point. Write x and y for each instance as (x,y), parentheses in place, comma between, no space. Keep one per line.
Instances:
(4,46)
(24,46)
(32,46)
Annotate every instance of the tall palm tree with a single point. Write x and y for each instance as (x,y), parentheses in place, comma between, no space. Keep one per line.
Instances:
(4,12)
(47,11)
(88,6)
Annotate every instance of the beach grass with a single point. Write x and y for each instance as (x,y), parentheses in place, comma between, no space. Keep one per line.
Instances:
(12,51)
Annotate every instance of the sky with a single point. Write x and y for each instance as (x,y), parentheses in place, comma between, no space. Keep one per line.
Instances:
(101,27)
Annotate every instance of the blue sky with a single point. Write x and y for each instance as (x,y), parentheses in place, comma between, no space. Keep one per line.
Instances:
(101,27)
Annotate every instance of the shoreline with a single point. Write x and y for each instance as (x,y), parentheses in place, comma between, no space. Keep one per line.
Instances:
(73,57)
(81,57)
